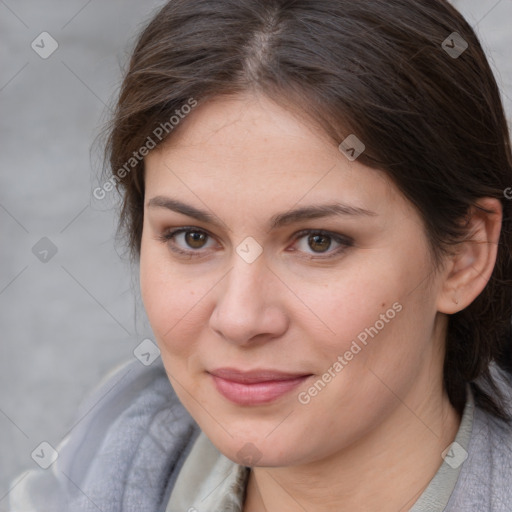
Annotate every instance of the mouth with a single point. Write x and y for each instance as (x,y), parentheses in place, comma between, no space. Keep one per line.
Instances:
(255,387)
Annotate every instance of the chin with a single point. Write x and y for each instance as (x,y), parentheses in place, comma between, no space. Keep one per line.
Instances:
(253,448)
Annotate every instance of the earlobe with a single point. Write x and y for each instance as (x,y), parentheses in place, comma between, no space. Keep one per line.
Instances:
(470,266)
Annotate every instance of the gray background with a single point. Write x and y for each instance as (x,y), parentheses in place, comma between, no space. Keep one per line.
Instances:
(67,321)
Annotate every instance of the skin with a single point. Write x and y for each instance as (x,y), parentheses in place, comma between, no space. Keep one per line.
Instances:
(372,438)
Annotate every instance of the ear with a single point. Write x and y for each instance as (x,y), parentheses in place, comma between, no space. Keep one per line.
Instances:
(469,268)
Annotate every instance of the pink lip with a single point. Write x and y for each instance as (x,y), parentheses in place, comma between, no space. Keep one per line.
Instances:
(256,386)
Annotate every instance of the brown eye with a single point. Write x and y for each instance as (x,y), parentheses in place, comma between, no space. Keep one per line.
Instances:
(319,243)
(195,239)
(188,242)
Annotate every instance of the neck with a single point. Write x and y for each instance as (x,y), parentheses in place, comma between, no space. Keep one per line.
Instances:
(387,470)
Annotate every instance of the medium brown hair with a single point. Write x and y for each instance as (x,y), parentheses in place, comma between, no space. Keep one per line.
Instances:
(433,122)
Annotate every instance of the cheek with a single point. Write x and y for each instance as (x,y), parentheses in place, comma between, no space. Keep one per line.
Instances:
(372,312)
(172,300)
(351,302)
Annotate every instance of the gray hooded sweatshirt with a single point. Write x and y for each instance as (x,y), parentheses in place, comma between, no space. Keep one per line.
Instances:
(132,436)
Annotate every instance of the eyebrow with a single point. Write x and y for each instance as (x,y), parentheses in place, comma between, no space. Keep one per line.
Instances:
(278,220)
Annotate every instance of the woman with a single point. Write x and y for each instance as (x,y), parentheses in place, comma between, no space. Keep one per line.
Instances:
(315,193)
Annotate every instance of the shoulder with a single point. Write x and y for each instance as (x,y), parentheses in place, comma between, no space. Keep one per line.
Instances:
(485,480)
(121,450)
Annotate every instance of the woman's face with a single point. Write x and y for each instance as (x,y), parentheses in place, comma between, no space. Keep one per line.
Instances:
(301,262)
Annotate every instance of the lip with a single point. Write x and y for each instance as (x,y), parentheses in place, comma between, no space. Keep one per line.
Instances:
(255,387)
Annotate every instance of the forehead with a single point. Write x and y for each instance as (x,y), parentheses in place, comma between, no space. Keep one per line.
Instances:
(252,151)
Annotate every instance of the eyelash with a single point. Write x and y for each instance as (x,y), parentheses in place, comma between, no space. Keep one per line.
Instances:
(168,236)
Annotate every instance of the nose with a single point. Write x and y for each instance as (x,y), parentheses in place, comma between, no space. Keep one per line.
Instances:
(249,304)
